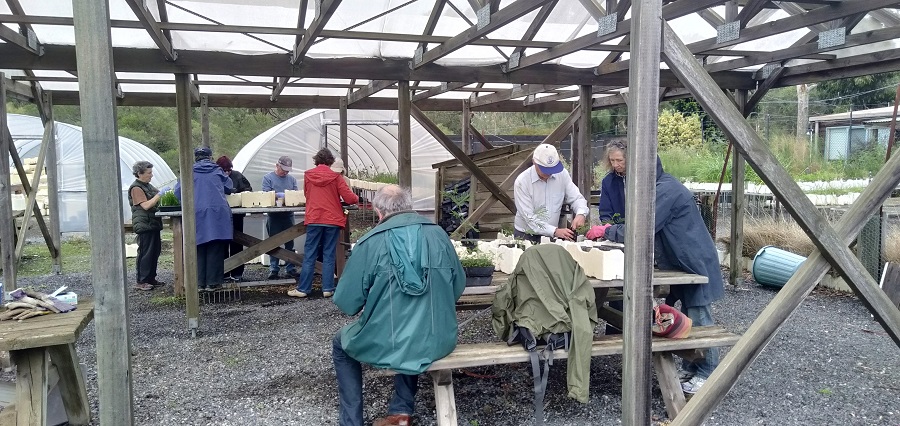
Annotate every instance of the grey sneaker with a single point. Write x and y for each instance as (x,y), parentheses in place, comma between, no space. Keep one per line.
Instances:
(327,293)
(685,376)
(296,293)
(693,386)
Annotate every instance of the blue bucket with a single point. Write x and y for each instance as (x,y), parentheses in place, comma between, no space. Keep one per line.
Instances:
(773,266)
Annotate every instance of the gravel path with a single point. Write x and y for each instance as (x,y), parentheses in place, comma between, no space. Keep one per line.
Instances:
(266,360)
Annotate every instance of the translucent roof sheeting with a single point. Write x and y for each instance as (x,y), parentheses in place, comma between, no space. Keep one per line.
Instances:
(27,133)
(371,148)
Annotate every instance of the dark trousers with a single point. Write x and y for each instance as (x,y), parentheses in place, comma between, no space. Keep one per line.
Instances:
(536,239)
(210,263)
(149,247)
(237,223)
(276,223)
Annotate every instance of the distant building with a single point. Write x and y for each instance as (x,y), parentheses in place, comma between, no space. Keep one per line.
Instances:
(848,132)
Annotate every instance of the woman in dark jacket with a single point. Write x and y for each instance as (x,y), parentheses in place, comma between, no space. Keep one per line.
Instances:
(143,198)
(241,184)
(611,207)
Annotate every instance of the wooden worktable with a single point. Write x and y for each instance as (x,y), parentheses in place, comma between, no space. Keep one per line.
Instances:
(37,344)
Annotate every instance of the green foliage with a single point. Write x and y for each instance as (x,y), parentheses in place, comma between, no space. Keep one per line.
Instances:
(476,259)
(614,220)
(168,199)
(459,200)
(679,130)
(167,301)
(358,233)
(374,174)
(867,91)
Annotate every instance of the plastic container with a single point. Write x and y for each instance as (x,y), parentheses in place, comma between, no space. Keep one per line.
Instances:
(773,266)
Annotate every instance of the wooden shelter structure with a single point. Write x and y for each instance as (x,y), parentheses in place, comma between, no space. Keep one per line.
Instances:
(538,58)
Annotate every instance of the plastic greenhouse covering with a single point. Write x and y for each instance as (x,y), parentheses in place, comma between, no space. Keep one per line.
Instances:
(27,133)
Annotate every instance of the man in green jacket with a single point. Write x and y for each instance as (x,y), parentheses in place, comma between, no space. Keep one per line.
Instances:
(403,278)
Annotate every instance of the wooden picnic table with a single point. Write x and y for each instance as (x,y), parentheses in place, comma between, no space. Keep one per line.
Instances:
(255,247)
(35,346)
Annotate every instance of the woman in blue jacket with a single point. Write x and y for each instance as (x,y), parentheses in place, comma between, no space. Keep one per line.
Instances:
(612,189)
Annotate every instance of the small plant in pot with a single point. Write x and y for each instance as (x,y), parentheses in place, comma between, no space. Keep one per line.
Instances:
(479,267)
(169,202)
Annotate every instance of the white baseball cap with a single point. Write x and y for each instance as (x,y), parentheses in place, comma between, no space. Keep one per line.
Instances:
(337,166)
(547,159)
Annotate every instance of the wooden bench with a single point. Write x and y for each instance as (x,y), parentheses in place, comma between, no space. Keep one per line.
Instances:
(496,353)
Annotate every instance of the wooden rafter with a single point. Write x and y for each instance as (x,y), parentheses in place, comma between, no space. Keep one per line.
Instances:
(621,9)
(595,10)
(670,11)
(19,91)
(515,92)
(437,90)
(750,10)
(148,22)
(566,94)
(315,29)
(497,20)
(18,40)
(370,89)
(849,66)
(815,16)
(536,24)
(764,88)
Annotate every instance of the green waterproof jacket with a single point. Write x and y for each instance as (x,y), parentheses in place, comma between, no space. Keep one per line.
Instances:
(405,276)
(549,293)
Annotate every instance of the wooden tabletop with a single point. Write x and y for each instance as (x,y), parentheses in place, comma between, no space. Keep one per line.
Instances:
(659,278)
(245,210)
(46,330)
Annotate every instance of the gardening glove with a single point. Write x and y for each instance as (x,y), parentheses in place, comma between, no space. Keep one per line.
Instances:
(597,231)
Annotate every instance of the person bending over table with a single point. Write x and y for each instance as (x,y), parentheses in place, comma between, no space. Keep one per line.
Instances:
(211,212)
(143,198)
(682,243)
(324,189)
(403,279)
(241,184)
(540,193)
(279,181)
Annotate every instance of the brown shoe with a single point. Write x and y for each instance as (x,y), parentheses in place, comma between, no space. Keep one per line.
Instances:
(394,420)
(143,286)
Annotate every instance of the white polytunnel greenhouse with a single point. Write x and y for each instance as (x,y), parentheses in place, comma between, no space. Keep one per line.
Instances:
(371,148)
(27,132)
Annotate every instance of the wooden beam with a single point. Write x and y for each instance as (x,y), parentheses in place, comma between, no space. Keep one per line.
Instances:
(372,88)
(26,186)
(595,10)
(515,92)
(831,245)
(852,40)
(736,253)
(819,15)
(750,10)
(59,57)
(848,66)
(553,138)
(536,25)
(17,90)
(204,120)
(483,140)
(10,36)
(533,100)
(640,190)
(711,17)
(497,20)
(8,229)
(464,159)
(466,130)
(404,137)
(52,186)
(315,28)
(585,157)
(615,101)
(152,27)
(104,190)
(432,21)
(764,88)
(437,90)
(671,11)
(30,202)
(189,221)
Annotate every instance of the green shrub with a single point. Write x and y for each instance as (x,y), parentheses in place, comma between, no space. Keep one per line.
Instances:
(168,199)
(679,130)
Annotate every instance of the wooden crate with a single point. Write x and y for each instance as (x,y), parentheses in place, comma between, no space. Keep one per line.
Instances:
(498,164)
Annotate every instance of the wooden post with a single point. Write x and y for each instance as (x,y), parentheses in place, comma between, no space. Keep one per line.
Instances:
(342,114)
(344,241)
(640,190)
(104,194)
(53,185)
(31,199)
(736,273)
(584,180)
(188,219)
(404,148)
(832,241)
(31,386)
(8,229)
(71,383)
(466,124)
(204,120)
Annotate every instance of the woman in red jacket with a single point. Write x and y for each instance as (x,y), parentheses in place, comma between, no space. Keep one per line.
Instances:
(324,189)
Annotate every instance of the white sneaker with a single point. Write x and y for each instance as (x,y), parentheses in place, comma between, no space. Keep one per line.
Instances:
(296,293)
(693,386)
(327,293)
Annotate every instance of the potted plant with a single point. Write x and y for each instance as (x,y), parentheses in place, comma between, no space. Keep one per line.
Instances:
(168,202)
(479,267)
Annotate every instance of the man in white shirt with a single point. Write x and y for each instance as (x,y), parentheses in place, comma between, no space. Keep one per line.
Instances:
(540,193)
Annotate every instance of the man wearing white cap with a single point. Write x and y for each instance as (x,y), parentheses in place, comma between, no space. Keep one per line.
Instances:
(540,193)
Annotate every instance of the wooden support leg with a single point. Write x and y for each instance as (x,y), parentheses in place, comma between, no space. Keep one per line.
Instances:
(444,399)
(31,386)
(71,384)
(178,255)
(669,385)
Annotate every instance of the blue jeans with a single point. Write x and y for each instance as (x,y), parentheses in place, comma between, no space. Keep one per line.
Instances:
(350,386)
(702,367)
(320,239)
(276,223)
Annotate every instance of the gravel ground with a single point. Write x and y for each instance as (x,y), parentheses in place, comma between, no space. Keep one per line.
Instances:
(266,360)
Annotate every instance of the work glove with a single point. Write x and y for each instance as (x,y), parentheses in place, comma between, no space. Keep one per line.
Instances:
(597,231)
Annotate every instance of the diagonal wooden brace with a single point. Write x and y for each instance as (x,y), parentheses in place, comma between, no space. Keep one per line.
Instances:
(832,243)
